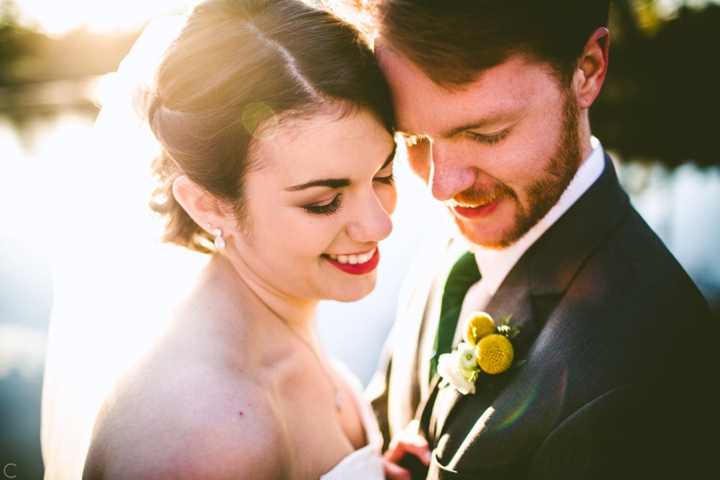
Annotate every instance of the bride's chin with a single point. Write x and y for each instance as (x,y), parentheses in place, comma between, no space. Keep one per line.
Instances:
(353,293)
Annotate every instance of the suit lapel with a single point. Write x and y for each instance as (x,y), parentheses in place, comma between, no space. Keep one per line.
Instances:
(405,373)
(430,322)
(410,366)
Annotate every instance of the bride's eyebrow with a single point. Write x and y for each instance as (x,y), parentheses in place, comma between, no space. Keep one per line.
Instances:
(336,182)
(325,182)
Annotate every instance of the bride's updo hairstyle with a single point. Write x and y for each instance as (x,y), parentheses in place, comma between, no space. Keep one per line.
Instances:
(238,69)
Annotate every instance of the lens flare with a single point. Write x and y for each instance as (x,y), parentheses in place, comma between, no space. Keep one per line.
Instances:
(547,395)
(527,413)
(260,121)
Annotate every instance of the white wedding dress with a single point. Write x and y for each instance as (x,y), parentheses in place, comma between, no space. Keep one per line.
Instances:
(105,309)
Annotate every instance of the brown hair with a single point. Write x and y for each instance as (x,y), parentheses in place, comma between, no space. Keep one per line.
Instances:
(452,41)
(237,67)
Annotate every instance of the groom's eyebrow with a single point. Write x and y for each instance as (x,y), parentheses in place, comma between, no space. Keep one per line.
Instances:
(449,133)
(492,119)
(463,128)
(336,182)
(472,126)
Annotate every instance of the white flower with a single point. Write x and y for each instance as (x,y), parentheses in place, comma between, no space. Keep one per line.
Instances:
(450,370)
(466,357)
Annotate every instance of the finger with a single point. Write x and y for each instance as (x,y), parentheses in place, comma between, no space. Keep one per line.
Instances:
(395,452)
(402,449)
(415,441)
(394,471)
(416,445)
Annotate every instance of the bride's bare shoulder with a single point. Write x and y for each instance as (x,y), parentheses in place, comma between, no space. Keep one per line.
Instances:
(164,422)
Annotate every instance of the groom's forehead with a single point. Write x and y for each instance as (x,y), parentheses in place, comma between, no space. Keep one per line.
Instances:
(399,69)
(420,102)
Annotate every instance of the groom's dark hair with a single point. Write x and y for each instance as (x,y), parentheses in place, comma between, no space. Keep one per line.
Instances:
(452,41)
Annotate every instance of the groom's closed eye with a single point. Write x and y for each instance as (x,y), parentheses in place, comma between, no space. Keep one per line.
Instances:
(490,139)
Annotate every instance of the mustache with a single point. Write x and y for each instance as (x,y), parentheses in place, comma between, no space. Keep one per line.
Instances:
(478,197)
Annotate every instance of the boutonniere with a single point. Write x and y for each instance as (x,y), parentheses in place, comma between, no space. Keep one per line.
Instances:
(487,348)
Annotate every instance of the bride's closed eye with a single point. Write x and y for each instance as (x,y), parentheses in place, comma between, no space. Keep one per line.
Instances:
(326,208)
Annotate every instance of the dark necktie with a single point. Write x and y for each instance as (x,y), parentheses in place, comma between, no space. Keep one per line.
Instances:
(463,275)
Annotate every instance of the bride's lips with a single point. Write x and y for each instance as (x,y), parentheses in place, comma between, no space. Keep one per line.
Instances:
(358,268)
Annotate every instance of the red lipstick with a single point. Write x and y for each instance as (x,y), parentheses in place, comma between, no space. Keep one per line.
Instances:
(357,269)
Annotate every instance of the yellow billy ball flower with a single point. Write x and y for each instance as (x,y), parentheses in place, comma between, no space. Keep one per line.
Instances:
(479,325)
(494,353)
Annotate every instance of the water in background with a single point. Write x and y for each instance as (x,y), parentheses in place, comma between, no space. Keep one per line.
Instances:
(37,151)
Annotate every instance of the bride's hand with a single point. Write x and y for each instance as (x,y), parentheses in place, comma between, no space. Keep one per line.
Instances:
(407,442)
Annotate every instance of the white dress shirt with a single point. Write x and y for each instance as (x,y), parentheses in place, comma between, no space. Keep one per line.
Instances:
(495,264)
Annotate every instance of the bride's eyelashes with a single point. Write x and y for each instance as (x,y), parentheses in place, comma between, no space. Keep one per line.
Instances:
(325,209)
(386,175)
(387,180)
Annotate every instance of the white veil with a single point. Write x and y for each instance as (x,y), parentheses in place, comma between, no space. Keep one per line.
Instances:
(113,283)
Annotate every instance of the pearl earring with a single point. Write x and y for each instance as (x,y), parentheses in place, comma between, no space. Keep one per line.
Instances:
(219,241)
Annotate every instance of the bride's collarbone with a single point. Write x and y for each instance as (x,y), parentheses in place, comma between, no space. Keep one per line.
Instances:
(306,398)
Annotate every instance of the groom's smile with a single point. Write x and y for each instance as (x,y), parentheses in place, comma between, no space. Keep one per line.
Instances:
(474,204)
(480,211)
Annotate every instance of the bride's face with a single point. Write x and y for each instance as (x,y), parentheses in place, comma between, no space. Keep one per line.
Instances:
(317,205)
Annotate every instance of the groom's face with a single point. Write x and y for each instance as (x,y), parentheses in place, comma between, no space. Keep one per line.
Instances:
(498,152)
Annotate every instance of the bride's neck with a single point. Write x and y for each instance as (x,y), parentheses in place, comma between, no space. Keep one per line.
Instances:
(297,313)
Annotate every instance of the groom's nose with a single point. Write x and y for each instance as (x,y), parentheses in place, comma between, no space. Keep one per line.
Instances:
(449,175)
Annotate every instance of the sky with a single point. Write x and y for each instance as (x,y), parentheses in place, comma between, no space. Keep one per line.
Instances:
(57,17)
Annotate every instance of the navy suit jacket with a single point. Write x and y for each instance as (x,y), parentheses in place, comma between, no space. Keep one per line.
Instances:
(621,376)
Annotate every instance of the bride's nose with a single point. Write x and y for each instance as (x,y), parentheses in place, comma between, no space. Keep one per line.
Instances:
(370,220)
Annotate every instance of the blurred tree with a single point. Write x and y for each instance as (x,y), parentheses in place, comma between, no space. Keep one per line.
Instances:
(15,40)
(661,98)
(26,55)
(648,18)
(76,55)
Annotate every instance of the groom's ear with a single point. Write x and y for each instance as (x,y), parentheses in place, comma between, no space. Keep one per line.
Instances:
(202,207)
(592,68)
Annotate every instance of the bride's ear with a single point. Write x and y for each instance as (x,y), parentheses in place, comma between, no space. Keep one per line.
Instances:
(202,207)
